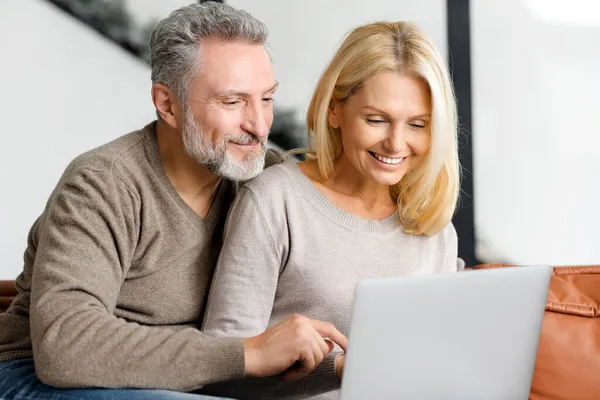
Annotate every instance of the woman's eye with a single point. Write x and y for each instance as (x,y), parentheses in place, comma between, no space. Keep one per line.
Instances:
(375,121)
(418,124)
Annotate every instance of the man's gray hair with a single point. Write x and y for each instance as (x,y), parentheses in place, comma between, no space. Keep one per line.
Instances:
(175,41)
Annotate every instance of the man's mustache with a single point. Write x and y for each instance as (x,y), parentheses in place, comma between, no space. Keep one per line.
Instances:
(246,139)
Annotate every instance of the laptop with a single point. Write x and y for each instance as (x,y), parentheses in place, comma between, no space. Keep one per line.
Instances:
(466,335)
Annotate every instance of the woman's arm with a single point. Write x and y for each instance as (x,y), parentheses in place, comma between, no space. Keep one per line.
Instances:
(255,249)
(245,280)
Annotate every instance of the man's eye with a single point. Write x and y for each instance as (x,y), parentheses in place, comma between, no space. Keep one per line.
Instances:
(231,102)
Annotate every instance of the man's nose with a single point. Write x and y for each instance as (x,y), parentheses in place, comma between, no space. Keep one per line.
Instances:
(257,119)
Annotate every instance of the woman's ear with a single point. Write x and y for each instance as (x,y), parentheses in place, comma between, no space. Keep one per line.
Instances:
(334,114)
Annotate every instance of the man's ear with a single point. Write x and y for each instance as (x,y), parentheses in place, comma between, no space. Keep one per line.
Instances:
(166,104)
(334,114)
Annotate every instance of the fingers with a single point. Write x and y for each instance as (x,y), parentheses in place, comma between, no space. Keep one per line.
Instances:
(313,349)
(308,360)
(316,349)
(297,344)
(330,345)
(339,366)
(291,374)
(320,348)
(327,330)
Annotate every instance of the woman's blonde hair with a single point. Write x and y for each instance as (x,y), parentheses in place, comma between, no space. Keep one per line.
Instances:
(426,196)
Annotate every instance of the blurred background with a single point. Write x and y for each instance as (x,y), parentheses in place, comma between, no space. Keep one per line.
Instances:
(526,72)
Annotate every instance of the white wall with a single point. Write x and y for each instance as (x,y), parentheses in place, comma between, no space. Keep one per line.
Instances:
(64,90)
(536,96)
(144,10)
(303,35)
(536,89)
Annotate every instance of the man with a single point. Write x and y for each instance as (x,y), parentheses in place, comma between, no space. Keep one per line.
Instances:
(118,265)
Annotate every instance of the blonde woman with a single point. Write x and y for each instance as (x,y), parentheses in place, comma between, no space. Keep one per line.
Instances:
(374,198)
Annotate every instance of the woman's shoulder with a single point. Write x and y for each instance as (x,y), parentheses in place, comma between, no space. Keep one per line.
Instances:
(271,194)
(448,232)
(275,179)
(447,240)
(441,242)
(447,235)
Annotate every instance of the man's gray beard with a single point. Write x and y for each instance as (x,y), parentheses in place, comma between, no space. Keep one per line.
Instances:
(216,158)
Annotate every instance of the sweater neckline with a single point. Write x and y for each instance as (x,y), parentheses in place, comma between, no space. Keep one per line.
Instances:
(326,207)
(208,222)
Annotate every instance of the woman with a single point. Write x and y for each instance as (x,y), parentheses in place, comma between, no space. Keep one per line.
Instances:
(374,198)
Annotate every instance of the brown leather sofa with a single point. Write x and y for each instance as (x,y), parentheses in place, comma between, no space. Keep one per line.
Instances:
(8,291)
(567,362)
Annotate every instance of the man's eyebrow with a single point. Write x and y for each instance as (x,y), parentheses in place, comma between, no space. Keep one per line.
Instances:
(236,93)
(273,88)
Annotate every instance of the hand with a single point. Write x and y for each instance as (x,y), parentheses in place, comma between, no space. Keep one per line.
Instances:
(339,366)
(297,341)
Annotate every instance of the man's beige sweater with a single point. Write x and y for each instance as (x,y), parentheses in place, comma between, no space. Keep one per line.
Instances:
(116,276)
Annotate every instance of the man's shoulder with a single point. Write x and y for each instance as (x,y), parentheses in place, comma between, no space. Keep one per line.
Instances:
(122,156)
(122,149)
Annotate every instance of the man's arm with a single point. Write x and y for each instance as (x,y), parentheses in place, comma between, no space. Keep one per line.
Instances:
(84,249)
(86,241)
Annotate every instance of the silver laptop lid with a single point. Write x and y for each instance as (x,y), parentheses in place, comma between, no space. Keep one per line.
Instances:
(467,335)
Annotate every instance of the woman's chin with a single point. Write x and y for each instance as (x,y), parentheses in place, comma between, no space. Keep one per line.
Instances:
(386,179)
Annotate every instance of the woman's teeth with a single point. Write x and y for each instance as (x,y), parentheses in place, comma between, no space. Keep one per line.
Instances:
(387,160)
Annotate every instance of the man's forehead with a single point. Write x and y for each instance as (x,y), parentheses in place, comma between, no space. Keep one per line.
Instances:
(222,84)
(246,90)
(237,68)
(229,56)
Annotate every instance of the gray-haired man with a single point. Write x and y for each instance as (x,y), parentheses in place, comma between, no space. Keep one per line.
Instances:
(118,265)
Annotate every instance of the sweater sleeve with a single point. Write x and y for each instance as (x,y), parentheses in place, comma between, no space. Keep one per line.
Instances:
(243,292)
(85,245)
(455,263)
